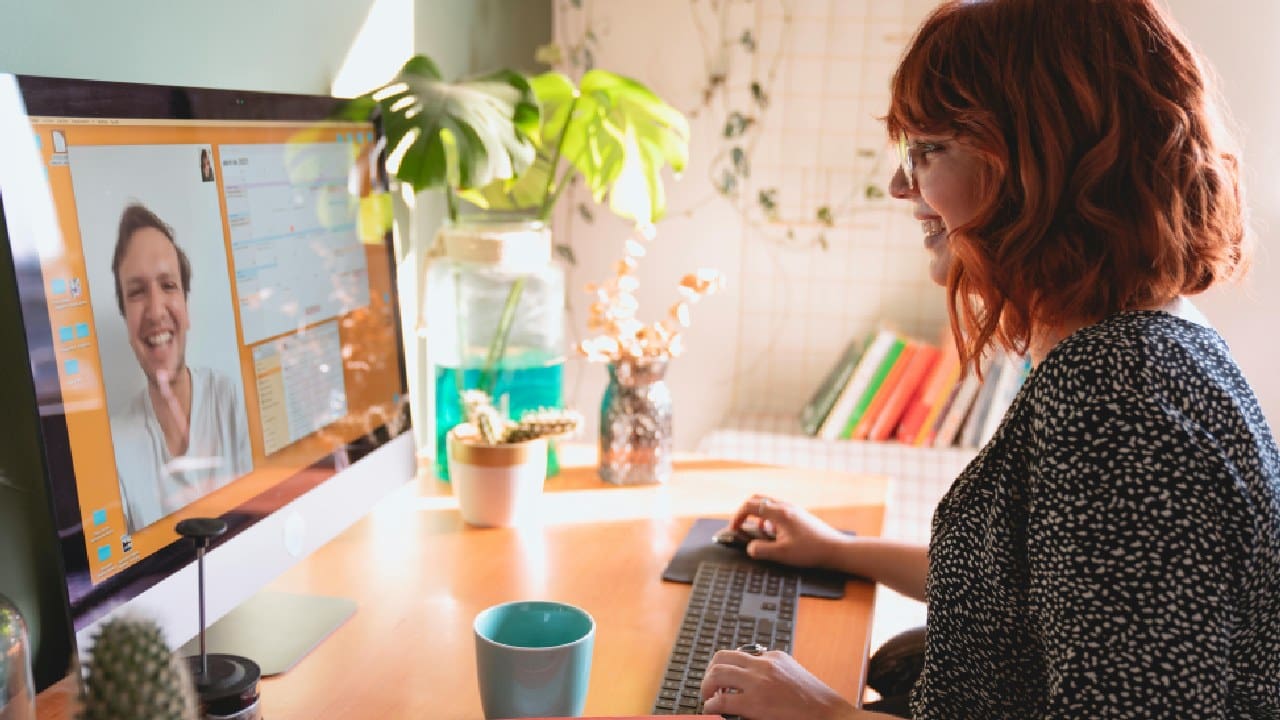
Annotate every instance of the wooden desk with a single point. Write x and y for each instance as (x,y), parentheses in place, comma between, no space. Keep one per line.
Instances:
(420,575)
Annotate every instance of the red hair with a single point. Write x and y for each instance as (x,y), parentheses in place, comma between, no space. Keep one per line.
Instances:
(1104,184)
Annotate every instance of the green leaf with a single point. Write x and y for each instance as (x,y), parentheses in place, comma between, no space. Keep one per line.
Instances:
(758,94)
(612,108)
(608,125)
(825,217)
(741,165)
(465,134)
(565,252)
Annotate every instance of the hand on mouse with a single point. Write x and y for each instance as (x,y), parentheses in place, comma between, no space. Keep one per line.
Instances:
(798,537)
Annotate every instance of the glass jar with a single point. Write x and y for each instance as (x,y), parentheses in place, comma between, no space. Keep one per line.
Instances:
(495,322)
(635,424)
(17,689)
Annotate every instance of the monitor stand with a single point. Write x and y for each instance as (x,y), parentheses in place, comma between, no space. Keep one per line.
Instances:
(275,629)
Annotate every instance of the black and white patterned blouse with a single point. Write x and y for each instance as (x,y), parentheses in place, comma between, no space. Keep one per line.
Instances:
(1114,551)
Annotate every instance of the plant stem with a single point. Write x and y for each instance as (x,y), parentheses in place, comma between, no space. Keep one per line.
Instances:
(549,197)
(451,204)
(498,346)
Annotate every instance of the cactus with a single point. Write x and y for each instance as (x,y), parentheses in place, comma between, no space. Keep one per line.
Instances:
(494,430)
(546,422)
(132,673)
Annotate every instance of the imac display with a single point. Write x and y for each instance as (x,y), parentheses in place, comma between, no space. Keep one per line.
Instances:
(211,318)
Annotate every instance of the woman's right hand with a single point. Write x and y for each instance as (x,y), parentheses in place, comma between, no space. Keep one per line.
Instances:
(799,537)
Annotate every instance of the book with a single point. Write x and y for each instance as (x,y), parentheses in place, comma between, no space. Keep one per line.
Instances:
(909,387)
(972,427)
(873,386)
(918,421)
(862,430)
(824,398)
(852,391)
(1012,375)
(957,410)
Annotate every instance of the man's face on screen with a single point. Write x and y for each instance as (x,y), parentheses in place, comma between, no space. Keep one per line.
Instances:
(155,305)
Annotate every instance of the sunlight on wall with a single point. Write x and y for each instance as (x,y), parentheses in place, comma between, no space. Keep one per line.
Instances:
(384,42)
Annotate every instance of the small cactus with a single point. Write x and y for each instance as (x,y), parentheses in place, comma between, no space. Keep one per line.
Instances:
(494,430)
(545,422)
(132,673)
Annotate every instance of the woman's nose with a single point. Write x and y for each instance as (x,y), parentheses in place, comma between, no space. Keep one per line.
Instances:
(898,186)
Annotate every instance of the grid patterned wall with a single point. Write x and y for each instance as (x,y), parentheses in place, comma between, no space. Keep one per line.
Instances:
(819,277)
(824,259)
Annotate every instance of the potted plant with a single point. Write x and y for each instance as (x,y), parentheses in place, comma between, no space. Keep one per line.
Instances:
(506,146)
(497,466)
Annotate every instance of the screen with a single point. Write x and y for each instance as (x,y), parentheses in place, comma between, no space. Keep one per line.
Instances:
(213,332)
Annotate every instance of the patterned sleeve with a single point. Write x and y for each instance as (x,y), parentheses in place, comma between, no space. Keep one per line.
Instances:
(1132,564)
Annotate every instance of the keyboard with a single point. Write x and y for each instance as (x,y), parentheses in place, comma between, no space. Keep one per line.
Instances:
(730,605)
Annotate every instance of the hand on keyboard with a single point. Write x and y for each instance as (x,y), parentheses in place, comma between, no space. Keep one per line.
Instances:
(772,686)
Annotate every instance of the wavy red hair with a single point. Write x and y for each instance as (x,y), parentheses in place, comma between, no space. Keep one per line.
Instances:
(1105,184)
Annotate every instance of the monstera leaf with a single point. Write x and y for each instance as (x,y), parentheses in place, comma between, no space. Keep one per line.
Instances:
(611,130)
(461,135)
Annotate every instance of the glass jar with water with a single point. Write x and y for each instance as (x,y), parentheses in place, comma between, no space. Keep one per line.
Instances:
(495,322)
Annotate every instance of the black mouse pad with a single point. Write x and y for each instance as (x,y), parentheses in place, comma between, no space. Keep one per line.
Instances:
(700,545)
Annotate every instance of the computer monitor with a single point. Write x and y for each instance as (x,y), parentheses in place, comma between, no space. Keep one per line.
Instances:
(211,328)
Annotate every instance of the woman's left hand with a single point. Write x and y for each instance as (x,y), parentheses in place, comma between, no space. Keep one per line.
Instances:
(772,686)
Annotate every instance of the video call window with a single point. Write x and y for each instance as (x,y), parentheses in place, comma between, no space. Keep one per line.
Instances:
(218,322)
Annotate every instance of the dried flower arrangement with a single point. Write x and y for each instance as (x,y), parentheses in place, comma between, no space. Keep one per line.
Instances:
(491,428)
(620,334)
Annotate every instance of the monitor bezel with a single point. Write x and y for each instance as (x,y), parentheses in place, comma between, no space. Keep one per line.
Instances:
(50,97)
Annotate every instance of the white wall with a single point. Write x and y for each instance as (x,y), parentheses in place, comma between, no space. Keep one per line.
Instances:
(764,344)
(1239,39)
(283,45)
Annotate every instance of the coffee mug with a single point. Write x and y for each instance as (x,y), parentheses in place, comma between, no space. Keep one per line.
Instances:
(533,659)
(497,485)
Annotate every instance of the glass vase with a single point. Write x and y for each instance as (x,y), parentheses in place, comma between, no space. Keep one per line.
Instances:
(17,690)
(495,321)
(635,424)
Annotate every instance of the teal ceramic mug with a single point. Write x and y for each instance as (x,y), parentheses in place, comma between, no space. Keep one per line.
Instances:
(533,659)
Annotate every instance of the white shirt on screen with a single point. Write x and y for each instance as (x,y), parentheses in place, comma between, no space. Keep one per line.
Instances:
(152,485)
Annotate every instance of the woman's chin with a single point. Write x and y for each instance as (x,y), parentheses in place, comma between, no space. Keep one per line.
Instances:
(939,268)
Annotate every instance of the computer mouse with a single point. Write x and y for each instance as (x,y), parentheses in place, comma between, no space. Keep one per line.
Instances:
(742,536)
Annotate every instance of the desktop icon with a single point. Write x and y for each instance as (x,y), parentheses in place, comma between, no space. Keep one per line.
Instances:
(100,517)
(72,367)
(66,333)
(58,286)
(59,141)
(82,330)
(104,553)
(74,287)
(126,543)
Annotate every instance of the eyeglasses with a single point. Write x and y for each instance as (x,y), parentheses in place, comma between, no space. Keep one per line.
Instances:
(909,155)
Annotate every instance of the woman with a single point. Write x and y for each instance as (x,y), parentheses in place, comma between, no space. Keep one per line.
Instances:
(1114,551)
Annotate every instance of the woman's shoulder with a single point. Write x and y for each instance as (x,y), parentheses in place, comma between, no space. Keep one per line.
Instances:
(1135,354)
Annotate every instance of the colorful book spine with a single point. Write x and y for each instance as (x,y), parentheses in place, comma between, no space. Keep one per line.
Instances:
(886,390)
(960,404)
(907,389)
(824,398)
(920,418)
(890,358)
(870,360)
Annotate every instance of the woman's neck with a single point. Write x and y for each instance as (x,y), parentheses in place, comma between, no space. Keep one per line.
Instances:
(1045,340)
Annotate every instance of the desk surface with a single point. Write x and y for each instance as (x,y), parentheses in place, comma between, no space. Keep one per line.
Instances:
(420,574)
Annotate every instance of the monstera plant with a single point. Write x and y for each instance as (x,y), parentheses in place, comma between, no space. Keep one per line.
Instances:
(511,144)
